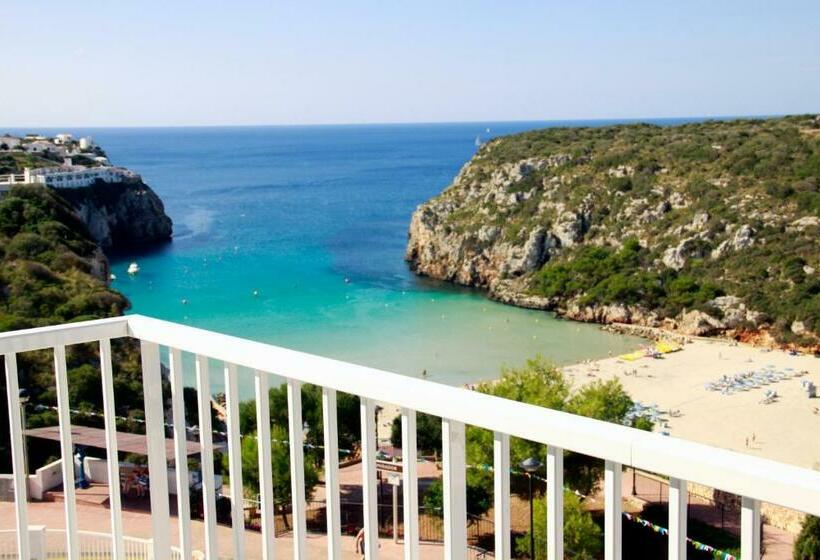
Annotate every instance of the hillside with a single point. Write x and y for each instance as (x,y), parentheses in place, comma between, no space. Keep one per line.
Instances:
(701,228)
(51,270)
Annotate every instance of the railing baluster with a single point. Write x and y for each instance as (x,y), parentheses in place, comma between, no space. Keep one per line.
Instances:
(678,507)
(180,452)
(18,451)
(235,461)
(157,460)
(555,503)
(455,490)
(409,457)
(501,494)
(203,390)
(749,529)
(67,453)
(612,510)
(369,497)
(332,495)
(297,468)
(265,469)
(112,455)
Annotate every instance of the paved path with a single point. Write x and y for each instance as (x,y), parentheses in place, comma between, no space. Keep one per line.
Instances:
(138,524)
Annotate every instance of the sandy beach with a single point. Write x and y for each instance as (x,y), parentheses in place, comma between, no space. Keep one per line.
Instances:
(785,430)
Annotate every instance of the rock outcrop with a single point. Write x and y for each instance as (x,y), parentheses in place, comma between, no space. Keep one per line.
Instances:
(120,216)
(713,237)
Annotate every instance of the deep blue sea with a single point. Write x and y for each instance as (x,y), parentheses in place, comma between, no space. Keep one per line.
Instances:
(296,236)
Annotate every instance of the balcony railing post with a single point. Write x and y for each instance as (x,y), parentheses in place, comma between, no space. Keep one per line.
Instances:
(157,460)
(112,455)
(612,511)
(17,456)
(235,461)
(369,496)
(332,495)
(678,507)
(749,529)
(203,390)
(67,452)
(265,468)
(410,484)
(455,490)
(180,452)
(555,503)
(501,494)
(297,468)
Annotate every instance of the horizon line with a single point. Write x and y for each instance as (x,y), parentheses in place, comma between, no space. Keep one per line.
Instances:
(614,120)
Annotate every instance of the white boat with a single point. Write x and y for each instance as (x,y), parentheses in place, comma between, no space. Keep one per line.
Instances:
(133,268)
(112,277)
(477,141)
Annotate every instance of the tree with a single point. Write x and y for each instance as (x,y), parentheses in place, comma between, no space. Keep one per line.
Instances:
(479,497)
(347,411)
(582,536)
(540,383)
(428,433)
(280,463)
(807,545)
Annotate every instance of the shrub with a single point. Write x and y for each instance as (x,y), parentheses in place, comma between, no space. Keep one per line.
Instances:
(807,545)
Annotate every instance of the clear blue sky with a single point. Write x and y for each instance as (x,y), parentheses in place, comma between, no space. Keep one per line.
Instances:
(109,63)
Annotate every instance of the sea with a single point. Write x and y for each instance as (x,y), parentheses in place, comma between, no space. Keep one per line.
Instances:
(295,236)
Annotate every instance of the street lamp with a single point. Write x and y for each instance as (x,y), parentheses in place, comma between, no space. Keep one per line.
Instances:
(531,466)
(24,400)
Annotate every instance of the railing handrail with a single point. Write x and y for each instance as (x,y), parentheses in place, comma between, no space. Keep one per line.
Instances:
(40,338)
(762,479)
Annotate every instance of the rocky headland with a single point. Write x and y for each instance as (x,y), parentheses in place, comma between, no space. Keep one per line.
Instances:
(54,240)
(700,229)
(120,216)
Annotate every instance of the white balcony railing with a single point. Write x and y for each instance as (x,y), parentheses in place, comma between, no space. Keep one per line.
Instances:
(755,480)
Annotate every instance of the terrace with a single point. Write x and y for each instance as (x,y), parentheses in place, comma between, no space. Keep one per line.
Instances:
(754,479)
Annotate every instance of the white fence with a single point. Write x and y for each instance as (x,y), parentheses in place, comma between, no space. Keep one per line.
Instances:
(752,478)
(51,543)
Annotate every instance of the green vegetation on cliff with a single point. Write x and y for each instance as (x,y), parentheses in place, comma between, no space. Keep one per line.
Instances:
(50,270)
(664,219)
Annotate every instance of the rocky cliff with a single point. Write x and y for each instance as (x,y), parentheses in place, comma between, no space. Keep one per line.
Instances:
(120,216)
(703,228)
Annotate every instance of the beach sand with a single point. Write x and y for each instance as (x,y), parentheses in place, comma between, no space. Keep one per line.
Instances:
(785,430)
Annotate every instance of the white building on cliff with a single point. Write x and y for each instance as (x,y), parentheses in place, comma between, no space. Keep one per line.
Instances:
(67,176)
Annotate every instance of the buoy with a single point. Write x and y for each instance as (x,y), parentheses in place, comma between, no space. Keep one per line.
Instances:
(256,293)
(184,301)
(112,277)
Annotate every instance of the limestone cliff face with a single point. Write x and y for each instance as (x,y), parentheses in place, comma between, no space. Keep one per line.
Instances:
(120,216)
(726,233)
(440,247)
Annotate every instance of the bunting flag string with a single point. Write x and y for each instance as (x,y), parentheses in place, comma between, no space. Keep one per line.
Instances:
(696,544)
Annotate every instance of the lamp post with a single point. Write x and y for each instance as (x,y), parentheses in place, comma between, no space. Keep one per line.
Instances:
(531,466)
(24,399)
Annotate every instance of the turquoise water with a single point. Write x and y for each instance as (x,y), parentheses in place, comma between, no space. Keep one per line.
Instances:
(295,236)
